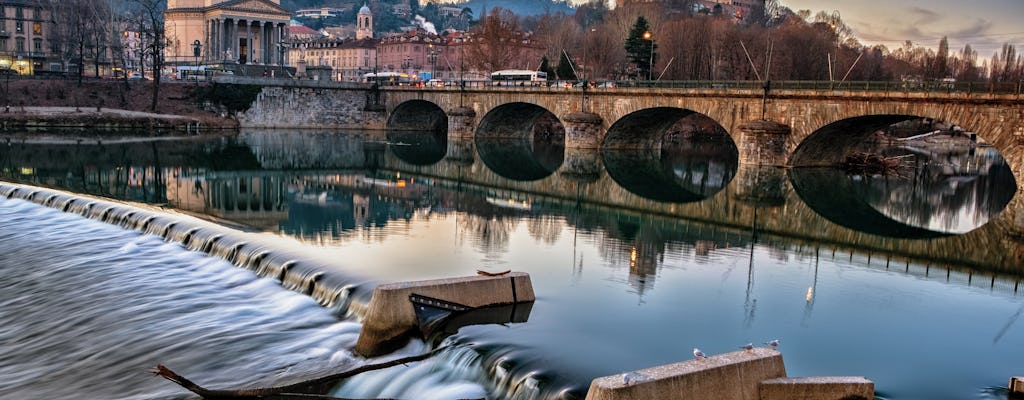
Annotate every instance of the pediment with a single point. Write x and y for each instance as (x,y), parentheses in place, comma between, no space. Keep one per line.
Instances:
(261,6)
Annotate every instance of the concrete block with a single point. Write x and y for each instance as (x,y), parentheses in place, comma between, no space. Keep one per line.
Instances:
(818,388)
(1017,385)
(731,376)
(390,317)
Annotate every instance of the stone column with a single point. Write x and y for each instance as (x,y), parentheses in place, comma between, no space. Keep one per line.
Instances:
(265,43)
(215,41)
(583,130)
(461,123)
(764,143)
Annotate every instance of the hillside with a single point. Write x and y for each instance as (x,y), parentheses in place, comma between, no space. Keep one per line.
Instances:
(520,7)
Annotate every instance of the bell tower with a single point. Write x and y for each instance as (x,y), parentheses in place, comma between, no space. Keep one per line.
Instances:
(364,23)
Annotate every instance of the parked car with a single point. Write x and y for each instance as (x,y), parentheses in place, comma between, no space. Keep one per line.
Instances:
(135,76)
(8,71)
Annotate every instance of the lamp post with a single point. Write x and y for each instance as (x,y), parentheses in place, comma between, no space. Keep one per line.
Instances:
(650,65)
(197,47)
(834,68)
(432,57)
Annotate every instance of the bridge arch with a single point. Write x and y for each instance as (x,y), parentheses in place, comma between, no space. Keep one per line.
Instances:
(418,115)
(520,120)
(829,144)
(418,130)
(669,154)
(521,141)
(899,206)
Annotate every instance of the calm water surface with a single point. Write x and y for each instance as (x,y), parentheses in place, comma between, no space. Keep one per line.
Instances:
(633,266)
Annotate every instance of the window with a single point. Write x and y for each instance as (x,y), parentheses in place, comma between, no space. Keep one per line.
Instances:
(36,14)
(19,44)
(3,44)
(37,45)
(37,28)
(18,13)
(19,26)
(3,11)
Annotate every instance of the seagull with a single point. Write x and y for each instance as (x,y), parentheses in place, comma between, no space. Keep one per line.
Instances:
(748,347)
(698,354)
(774,343)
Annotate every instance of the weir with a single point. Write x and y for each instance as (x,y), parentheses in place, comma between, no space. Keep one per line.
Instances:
(296,272)
(345,295)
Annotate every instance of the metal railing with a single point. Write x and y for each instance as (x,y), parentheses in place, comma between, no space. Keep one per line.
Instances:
(1016,88)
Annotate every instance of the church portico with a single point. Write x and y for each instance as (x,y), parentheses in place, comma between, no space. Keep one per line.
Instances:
(232,31)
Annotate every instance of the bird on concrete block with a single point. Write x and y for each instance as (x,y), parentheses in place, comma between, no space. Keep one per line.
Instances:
(698,354)
(748,347)
(774,344)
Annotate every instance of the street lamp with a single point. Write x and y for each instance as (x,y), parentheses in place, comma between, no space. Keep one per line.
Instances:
(650,66)
(834,23)
(432,57)
(196,49)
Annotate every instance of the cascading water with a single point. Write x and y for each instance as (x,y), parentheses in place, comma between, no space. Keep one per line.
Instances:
(172,312)
(87,308)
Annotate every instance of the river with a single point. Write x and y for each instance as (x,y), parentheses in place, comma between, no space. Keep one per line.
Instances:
(634,263)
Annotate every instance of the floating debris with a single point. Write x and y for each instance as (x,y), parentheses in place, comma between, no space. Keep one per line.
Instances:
(863,163)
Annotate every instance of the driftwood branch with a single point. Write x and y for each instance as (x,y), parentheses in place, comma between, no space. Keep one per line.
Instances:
(310,389)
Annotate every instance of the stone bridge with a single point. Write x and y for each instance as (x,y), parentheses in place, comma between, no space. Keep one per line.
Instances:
(780,127)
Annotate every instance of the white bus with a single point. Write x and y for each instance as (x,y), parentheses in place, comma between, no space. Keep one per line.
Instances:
(391,79)
(200,73)
(518,77)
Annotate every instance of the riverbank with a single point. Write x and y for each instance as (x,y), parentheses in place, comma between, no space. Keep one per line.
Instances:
(30,106)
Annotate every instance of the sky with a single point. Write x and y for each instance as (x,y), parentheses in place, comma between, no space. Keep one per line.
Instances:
(984,24)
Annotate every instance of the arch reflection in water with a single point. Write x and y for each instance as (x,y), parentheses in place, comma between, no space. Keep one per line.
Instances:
(520,159)
(521,141)
(937,194)
(695,161)
(418,115)
(418,147)
(947,180)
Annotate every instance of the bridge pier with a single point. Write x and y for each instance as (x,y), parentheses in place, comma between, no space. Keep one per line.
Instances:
(761,186)
(764,143)
(583,130)
(461,123)
(460,151)
(582,164)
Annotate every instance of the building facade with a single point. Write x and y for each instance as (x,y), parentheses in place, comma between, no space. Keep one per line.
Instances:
(347,58)
(25,31)
(226,31)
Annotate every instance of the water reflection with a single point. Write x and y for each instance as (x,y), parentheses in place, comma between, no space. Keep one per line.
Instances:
(691,170)
(418,148)
(935,194)
(520,159)
(606,262)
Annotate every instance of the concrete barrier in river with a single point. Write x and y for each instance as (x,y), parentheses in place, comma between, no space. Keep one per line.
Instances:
(757,374)
(390,318)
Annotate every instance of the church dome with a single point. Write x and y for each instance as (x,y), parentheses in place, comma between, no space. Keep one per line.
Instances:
(364,10)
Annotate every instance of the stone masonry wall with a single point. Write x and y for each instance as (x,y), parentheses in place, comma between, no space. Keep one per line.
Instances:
(280,107)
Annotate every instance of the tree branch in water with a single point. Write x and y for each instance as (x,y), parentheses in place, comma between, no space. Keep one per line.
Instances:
(310,389)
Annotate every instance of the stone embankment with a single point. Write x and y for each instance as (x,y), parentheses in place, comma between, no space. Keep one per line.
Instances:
(32,106)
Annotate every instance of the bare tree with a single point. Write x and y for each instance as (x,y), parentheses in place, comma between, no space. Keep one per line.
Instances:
(496,42)
(70,32)
(150,19)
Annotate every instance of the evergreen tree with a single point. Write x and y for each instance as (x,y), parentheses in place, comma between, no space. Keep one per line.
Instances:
(641,48)
(565,69)
(545,66)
